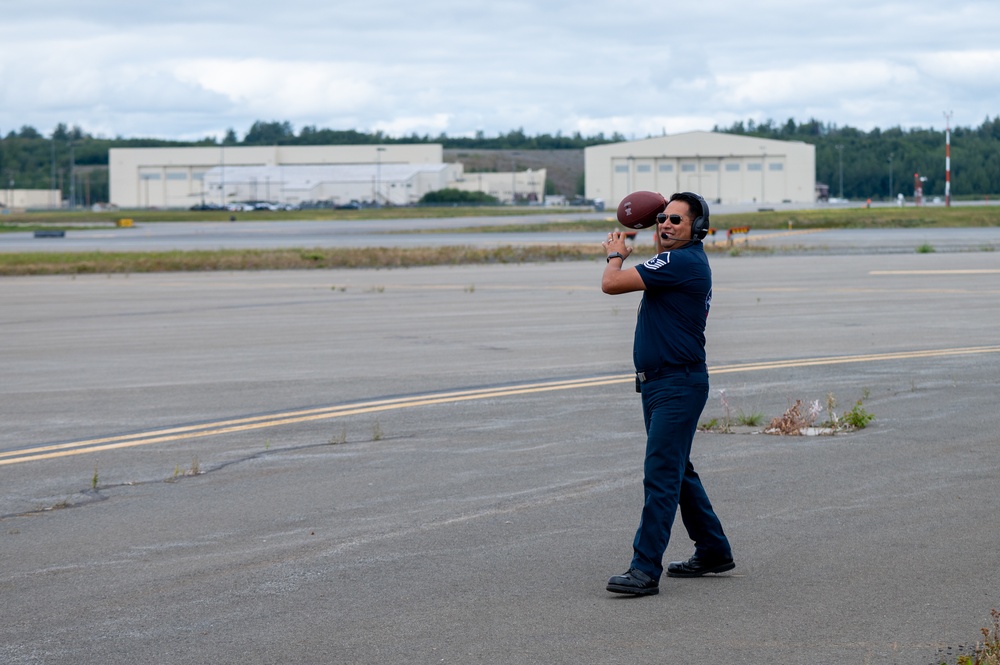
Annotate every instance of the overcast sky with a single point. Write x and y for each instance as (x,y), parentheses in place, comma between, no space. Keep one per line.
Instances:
(188,69)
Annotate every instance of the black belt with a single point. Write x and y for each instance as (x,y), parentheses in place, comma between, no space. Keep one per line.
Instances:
(649,375)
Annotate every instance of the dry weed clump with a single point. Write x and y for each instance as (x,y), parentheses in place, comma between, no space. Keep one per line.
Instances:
(987,653)
(798,420)
(791,422)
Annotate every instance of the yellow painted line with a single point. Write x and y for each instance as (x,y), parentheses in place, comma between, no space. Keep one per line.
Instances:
(969,271)
(840,360)
(376,406)
(292,417)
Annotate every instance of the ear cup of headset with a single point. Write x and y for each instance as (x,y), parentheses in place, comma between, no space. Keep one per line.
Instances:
(700,225)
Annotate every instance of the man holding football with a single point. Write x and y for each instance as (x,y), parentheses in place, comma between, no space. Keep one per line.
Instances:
(669,356)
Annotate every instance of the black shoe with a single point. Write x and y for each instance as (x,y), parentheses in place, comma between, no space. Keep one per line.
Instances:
(697,566)
(634,582)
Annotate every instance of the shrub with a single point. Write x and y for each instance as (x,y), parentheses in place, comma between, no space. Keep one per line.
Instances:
(451,195)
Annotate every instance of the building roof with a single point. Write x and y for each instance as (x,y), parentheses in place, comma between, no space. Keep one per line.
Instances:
(306,176)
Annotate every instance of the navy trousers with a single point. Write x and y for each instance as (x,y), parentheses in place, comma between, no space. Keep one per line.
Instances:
(671,406)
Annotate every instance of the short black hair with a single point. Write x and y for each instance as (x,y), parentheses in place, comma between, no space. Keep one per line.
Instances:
(694,205)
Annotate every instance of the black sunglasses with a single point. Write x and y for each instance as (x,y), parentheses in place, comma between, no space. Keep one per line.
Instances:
(674,219)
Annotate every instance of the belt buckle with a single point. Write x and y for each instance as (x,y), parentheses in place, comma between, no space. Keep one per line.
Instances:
(642,376)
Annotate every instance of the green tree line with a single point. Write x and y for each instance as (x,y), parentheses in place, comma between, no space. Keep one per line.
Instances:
(882,163)
(858,164)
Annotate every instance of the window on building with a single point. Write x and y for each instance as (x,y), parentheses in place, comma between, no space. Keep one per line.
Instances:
(643,168)
(621,168)
(688,168)
(710,168)
(666,168)
(776,166)
(755,166)
(176,175)
(732,166)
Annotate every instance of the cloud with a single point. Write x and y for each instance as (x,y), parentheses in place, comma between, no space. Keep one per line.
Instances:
(973,67)
(281,88)
(803,82)
(189,68)
(406,125)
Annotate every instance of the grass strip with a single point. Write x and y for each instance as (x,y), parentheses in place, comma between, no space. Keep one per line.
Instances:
(80,263)
(842,218)
(48,218)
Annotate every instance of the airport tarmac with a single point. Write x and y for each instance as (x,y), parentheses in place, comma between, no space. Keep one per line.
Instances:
(422,232)
(443,465)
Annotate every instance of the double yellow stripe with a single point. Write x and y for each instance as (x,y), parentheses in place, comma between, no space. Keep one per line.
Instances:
(376,406)
(286,418)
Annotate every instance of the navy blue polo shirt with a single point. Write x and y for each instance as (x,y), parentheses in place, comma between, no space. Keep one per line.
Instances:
(670,327)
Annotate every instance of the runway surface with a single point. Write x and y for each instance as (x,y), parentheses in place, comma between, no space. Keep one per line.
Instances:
(444,465)
(244,234)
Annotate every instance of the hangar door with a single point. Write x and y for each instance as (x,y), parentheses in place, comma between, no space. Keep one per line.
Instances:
(630,174)
(701,176)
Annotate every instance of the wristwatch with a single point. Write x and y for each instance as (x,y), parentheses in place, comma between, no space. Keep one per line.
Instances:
(616,255)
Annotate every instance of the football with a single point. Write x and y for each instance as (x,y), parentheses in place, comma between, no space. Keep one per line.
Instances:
(639,209)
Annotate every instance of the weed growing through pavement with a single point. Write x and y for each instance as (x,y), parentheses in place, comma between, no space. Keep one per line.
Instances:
(751,419)
(93,481)
(727,417)
(338,439)
(831,410)
(193,470)
(857,417)
(792,421)
(925,249)
(710,425)
(987,653)
(376,432)
(799,418)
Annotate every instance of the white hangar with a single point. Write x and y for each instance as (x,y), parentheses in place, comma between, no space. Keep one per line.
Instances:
(391,174)
(723,168)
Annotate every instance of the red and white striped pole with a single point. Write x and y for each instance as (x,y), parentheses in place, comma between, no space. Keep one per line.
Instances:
(947,159)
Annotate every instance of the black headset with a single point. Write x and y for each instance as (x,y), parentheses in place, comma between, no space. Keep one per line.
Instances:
(700,225)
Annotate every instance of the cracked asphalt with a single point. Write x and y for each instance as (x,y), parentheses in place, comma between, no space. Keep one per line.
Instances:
(443,465)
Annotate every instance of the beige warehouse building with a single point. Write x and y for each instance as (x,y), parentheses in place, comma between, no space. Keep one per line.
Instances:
(391,174)
(25,199)
(724,168)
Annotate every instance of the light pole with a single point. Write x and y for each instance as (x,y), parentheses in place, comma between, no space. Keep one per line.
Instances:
(918,189)
(947,159)
(378,175)
(222,175)
(763,172)
(513,178)
(840,158)
(890,176)
(72,176)
(52,176)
